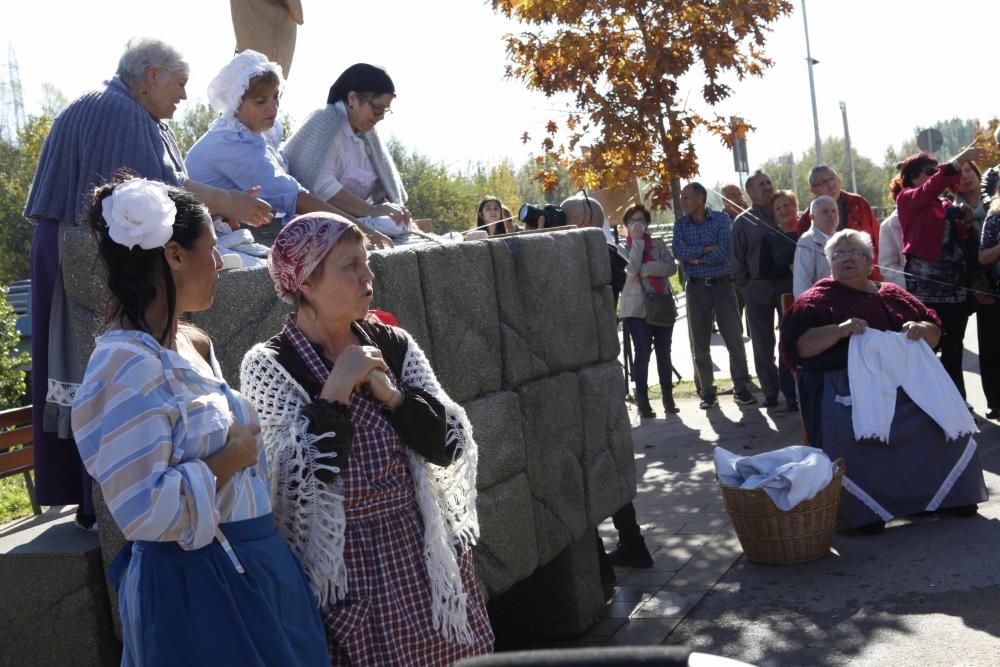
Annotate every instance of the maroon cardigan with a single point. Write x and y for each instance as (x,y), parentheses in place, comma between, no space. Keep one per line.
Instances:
(922,213)
(830,302)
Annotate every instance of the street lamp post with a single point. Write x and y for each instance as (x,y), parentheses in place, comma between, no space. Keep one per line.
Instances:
(812,86)
(847,148)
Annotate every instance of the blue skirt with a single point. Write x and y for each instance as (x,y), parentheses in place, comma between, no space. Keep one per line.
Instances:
(918,470)
(193,607)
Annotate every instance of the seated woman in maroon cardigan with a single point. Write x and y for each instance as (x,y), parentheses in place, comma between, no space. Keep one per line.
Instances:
(918,469)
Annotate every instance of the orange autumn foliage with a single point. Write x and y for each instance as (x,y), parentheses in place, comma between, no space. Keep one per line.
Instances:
(621,61)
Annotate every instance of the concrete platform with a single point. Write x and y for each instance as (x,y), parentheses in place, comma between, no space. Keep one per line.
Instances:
(53,601)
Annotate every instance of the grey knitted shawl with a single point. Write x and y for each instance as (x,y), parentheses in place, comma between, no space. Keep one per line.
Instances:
(306,149)
(98,134)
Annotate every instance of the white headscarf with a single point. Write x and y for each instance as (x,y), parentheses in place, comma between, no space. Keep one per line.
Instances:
(225,92)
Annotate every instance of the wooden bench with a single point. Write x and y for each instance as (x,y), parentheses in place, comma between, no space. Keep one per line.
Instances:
(16,455)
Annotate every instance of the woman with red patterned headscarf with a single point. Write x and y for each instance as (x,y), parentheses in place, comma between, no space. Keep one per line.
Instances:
(373,465)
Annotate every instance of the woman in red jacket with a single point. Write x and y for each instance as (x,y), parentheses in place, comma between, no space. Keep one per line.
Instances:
(934,235)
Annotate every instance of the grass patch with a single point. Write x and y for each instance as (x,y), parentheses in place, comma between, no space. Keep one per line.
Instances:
(14,501)
(686,389)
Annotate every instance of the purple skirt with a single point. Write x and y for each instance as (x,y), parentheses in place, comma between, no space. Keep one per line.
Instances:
(60,478)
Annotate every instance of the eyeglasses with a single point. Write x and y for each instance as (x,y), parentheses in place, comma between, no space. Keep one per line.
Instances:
(929,171)
(826,182)
(856,253)
(378,109)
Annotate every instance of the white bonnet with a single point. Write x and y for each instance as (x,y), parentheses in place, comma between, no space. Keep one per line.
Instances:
(226,90)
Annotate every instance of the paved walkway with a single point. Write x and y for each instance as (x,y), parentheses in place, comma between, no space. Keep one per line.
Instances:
(924,592)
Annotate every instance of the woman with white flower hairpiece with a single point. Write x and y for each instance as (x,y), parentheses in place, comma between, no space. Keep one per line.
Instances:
(241,148)
(206,578)
(374,466)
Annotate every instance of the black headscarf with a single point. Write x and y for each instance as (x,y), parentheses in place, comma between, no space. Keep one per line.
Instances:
(362,78)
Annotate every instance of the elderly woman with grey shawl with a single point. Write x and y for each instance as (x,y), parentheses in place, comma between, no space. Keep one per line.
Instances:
(373,466)
(338,155)
(120,127)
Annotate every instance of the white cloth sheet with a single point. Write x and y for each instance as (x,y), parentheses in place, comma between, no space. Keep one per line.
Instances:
(789,475)
(240,242)
(880,362)
(386,225)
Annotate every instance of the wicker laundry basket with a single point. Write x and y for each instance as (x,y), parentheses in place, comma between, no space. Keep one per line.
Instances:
(770,535)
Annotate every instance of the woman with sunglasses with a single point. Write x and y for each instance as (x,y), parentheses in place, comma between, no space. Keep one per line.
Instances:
(339,156)
(934,236)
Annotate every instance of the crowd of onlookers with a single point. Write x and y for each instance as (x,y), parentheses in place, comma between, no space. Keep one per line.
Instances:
(862,306)
(739,263)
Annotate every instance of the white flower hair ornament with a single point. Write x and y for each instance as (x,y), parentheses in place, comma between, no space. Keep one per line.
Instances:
(226,90)
(140,213)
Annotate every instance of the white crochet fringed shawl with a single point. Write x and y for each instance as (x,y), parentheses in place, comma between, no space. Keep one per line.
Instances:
(310,513)
(307,147)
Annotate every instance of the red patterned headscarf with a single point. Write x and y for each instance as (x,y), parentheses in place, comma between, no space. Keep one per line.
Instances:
(300,247)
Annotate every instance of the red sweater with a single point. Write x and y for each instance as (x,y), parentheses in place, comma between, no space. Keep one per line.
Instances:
(922,213)
(860,217)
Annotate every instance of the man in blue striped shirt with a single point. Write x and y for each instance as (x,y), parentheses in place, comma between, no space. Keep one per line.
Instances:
(701,245)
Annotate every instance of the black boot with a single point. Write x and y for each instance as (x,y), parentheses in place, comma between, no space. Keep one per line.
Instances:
(632,553)
(642,401)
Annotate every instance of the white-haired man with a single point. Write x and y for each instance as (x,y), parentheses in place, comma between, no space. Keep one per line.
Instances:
(811,263)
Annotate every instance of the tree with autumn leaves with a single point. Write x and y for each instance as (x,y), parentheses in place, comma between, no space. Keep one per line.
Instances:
(622,60)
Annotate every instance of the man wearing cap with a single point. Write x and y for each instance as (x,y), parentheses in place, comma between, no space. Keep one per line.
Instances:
(853,209)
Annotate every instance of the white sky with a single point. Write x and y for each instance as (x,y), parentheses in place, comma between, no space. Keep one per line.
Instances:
(884,58)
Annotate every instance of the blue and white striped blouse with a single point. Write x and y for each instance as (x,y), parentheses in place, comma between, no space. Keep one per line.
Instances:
(144,421)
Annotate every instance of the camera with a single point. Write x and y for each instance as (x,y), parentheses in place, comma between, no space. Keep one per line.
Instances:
(553,215)
(959,213)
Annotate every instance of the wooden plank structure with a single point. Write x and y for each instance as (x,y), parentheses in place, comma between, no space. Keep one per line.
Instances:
(16,453)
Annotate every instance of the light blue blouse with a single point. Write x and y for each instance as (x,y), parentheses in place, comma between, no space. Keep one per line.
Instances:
(231,157)
(145,420)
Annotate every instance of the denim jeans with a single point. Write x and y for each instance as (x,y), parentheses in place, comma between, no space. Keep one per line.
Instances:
(645,339)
